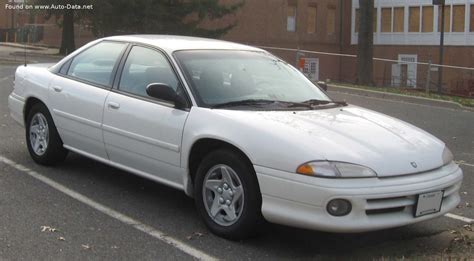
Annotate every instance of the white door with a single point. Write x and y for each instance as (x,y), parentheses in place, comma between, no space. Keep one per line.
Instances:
(77,97)
(141,132)
(410,61)
(396,75)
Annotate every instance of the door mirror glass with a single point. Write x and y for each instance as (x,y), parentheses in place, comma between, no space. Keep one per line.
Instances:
(164,92)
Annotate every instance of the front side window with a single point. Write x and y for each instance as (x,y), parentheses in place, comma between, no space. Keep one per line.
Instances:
(221,76)
(97,63)
(143,67)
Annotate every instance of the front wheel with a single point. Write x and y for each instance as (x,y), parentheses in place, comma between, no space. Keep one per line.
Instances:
(42,138)
(227,195)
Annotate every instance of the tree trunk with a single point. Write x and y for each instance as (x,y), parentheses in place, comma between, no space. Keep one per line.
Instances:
(67,42)
(366,43)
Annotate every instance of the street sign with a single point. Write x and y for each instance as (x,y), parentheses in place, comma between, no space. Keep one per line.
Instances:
(438,2)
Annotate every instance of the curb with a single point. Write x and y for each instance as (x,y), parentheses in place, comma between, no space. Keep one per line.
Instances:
(24,46)
(397,97)
(4,61)
(42,55)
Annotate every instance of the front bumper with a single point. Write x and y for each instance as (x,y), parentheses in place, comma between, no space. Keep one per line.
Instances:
(377,203)
(16,104)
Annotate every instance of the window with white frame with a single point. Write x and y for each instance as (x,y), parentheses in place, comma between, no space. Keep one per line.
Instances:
(291,18)
(427,19)
(311,20)
(409,19)
(414,19)
(472,19)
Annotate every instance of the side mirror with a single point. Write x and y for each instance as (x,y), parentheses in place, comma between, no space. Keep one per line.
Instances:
(323,85)
(164,92)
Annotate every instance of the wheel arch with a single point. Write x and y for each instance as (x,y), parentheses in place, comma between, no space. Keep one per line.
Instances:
(199,149)
(29,103)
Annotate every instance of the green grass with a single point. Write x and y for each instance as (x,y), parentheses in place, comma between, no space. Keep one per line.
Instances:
(468,102)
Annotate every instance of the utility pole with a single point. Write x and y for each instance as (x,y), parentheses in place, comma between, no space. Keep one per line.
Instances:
(341,35)
(441,4)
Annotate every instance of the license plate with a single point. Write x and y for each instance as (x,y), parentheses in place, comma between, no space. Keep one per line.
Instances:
(429,203)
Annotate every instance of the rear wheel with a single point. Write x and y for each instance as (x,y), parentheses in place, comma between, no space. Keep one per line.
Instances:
(42,138)
(227,195)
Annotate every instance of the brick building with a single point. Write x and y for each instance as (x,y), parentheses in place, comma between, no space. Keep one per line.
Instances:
(407,30)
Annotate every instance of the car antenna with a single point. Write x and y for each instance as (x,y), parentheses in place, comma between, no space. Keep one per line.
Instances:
(24,47)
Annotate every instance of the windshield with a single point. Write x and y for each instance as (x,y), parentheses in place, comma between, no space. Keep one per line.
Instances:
(222,76)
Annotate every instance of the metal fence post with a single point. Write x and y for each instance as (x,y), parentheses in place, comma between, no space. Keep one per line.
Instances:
(428,77)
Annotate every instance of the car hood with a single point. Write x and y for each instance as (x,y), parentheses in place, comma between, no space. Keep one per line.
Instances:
(352,134)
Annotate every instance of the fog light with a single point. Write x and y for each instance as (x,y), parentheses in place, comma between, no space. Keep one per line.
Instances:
(339,207)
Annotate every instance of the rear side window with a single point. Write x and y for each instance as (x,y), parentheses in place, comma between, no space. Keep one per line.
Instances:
(96,64)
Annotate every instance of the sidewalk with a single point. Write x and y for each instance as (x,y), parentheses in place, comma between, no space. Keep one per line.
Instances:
(397,97)
(15,53)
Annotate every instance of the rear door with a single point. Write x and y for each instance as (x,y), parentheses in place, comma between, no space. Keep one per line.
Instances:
(139,131)
(78,93)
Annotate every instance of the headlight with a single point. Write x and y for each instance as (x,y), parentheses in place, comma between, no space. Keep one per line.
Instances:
(333,169)
(447,156)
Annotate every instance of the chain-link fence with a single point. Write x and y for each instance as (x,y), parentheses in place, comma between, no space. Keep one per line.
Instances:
(407,73)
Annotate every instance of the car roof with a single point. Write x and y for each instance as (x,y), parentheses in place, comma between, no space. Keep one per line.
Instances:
(171,43)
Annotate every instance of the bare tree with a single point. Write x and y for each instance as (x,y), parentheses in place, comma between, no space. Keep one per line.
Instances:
(365,54)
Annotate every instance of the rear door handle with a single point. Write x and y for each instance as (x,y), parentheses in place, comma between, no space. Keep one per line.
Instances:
(113,105)
(57,88)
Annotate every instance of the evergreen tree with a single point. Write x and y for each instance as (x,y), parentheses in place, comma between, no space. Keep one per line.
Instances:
(112,17)
(66,18)
(182,17)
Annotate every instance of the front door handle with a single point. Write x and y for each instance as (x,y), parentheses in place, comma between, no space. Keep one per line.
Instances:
(113,105)
(57,88)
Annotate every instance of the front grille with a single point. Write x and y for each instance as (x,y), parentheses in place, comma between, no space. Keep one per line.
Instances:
(384,211)
(379,206)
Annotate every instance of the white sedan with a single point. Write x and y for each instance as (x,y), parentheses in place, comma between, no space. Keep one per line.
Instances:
(238,129)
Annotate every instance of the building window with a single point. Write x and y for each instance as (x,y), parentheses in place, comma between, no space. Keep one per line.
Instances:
(331,20)
(399,19)
(312,19)
(291,18)
(447,18)
(357,20)
(472,18)
(375,19)
(427,22)
(459,12)
(386,20)
(414,19)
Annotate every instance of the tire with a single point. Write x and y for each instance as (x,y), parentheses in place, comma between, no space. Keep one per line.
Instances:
(40,128)
(242,197)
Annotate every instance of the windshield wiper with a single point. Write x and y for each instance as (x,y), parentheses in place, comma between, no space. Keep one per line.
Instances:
(248,102)
(315,102)
(261,102)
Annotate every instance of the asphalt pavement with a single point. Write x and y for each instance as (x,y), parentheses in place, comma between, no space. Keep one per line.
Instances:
(83,209)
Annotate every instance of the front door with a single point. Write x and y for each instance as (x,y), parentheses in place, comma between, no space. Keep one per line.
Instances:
(141,132)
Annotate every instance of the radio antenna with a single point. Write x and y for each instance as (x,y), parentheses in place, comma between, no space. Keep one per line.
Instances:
(24,46)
